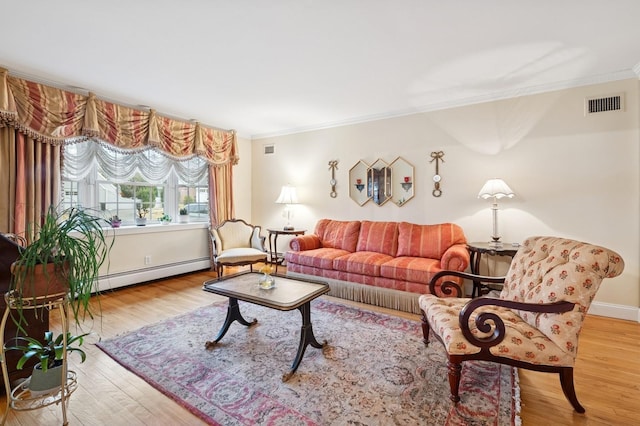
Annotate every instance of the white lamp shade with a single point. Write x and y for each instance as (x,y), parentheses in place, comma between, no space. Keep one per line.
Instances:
(495,188)
(288,195)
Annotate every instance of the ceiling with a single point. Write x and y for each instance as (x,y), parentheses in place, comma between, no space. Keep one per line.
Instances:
(282,66)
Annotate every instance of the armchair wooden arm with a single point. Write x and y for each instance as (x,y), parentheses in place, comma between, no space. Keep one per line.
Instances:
(448,288)
(485,321)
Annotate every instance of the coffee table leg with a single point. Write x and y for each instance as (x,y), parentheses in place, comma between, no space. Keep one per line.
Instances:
(233,314)
(306,338)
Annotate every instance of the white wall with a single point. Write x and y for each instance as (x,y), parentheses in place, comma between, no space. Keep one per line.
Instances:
(574,176)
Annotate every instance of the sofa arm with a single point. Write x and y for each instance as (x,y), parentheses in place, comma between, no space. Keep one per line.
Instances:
(455,258)
(305,242)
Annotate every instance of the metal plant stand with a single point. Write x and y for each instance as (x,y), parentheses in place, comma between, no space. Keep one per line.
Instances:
(19,397)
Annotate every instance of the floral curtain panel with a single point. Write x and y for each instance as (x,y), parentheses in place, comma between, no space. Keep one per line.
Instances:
(52,115)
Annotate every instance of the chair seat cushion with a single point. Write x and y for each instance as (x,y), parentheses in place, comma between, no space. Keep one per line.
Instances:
(522,342)
(241,254)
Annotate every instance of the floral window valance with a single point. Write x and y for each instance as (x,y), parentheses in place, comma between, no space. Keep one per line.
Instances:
(55,116)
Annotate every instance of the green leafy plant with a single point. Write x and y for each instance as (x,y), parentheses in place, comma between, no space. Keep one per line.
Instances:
(165,218)
(73,242)
(142,211)
(49,352)
(183,211)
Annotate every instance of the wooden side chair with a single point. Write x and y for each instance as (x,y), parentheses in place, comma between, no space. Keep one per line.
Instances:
(235,243)
(535,322)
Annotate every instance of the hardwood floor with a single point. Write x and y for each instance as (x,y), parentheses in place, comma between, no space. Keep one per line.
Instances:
(607,372)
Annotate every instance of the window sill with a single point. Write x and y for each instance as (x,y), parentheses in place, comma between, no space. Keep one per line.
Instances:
(156,227)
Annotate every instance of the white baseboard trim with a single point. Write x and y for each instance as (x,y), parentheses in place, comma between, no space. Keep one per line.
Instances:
(113,281)
(624,312)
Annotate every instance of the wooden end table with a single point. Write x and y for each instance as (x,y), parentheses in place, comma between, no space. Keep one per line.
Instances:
(476,250)
(276,258)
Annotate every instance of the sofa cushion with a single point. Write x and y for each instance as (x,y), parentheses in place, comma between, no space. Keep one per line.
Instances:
(318,258)
(361,262)
(416,269)
(428,241)
(381,237)
(338,234)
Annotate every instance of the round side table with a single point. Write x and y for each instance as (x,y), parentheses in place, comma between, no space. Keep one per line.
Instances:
(476,250)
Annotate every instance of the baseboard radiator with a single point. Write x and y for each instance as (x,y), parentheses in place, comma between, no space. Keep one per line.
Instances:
(122,279)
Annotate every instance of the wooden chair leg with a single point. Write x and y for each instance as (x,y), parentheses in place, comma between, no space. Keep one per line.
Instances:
(425,329)
(455,369)
(566,380)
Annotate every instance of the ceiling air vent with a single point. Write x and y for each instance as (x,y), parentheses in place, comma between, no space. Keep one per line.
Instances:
(603,104)
(269,149)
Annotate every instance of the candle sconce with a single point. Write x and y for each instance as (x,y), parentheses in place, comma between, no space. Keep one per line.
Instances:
(406,185)
(357,177)
(402,181)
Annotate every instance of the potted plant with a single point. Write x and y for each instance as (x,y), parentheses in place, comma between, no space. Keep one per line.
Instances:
(115,221)
(184,215)
(63,259)
(141,220)
(47,373)
(165,219)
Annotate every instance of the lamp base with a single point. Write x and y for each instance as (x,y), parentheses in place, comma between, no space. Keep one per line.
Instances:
(495,243)
(288,228)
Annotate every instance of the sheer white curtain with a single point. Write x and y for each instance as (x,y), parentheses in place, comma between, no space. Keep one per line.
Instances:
(120,165)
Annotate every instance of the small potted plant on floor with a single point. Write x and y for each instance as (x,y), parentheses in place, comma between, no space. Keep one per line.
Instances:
(184,215)
(47,373)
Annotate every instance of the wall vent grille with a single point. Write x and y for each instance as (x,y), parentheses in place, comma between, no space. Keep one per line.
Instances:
(269,149)
(603,104)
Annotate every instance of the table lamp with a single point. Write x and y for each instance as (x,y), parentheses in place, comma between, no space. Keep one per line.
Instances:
(496,189)
(288,196)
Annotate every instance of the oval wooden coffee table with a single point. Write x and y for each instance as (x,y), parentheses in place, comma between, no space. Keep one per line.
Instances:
(288,294)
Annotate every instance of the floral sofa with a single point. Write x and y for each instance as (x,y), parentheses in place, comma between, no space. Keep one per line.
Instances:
(386,264)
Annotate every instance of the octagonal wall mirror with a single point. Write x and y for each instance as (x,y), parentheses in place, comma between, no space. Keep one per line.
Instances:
(379,182)
(358,183)
(402,181)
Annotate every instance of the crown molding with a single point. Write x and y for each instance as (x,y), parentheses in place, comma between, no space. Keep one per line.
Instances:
(454,103)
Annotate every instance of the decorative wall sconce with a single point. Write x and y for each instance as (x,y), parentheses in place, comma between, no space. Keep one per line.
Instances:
(333,165)
(381,182)
(406,185)
(437,157)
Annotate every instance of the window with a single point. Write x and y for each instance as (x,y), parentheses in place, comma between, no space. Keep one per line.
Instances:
(134,184)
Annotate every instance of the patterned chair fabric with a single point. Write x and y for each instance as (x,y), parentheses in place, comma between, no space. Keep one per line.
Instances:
(536,321)
(234,243)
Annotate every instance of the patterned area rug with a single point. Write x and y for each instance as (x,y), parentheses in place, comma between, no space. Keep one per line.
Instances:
(375,370)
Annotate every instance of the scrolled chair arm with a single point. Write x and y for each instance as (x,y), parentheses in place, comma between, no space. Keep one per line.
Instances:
(485,321)
(447,288)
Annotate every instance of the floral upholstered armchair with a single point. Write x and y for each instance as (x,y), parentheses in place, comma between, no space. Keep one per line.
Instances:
(536,320)
(234,243)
